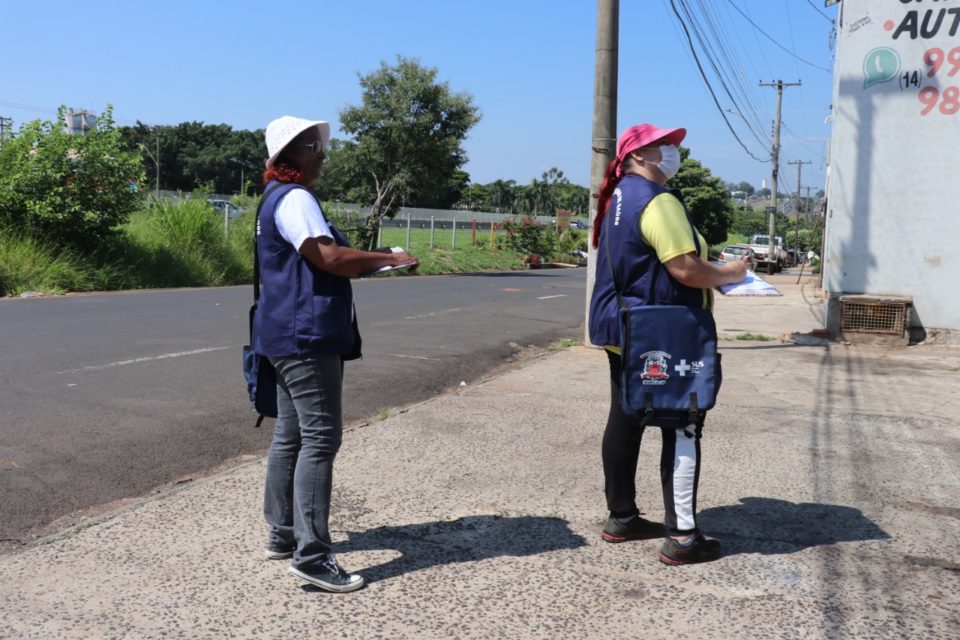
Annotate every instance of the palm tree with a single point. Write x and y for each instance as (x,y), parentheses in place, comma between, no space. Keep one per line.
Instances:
(502,194)
(542,196)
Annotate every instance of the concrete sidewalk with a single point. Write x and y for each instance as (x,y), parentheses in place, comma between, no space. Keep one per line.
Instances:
(830,476)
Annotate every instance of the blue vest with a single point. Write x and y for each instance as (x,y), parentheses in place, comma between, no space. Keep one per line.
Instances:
(642,277)
(302,309)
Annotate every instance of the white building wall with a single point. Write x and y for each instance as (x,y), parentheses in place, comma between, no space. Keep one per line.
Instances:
(893,217)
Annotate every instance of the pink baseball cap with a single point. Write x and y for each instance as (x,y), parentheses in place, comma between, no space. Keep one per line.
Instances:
(645,135)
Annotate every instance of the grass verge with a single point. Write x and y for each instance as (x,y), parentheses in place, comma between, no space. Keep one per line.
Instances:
(753,336)
(184,245)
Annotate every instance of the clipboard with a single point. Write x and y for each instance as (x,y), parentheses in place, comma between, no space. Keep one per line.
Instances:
(405,265)
(751,286)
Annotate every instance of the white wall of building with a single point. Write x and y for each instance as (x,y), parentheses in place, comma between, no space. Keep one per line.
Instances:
(893,216)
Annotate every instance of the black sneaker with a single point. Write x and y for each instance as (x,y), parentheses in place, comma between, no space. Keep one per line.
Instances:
(330,576)
(702,550)
(636,529)
(278,553)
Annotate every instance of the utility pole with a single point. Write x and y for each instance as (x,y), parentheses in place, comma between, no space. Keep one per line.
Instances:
(775,167)
(157,130)
(4,124)
(799,164)
(604,123)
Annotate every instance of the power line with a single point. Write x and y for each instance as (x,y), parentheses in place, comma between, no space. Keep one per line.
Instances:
(771,39)
(752,99)
(815,8)
(733,79)
(707,82)
(707,50)
(26,107)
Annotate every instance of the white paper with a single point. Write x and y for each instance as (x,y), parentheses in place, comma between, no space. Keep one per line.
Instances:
(405,265)
(752,285)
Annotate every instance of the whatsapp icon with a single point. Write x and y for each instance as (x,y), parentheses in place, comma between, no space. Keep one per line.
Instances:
(880,65)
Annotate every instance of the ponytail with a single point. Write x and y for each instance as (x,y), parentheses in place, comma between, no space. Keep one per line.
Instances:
(610,182)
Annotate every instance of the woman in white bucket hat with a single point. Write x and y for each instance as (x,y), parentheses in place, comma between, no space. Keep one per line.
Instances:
(306,326)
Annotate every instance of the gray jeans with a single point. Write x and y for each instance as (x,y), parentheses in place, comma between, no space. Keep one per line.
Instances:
(309,429)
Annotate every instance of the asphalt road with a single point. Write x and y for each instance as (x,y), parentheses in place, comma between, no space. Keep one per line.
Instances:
(107,396)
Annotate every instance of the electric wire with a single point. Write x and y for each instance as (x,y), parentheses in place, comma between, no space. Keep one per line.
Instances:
(709,87)
(793,43)
(825,16)
(711,56)
(771,39)
(747,93)
(754,101)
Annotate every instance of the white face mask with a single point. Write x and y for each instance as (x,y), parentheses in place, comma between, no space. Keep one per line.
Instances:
(669,160)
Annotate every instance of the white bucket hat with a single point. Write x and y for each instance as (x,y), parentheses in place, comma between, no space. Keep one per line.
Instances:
(283,130)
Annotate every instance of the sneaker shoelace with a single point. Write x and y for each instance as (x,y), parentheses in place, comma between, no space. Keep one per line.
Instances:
(331,565)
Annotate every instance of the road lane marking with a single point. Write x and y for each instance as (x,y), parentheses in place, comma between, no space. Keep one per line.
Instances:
(98,367)
(562,295)
(400,355)
(430,315)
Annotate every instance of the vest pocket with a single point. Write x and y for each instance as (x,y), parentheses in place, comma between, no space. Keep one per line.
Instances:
(332,317)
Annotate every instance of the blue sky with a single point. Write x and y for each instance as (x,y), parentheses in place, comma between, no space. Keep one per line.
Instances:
(529,65)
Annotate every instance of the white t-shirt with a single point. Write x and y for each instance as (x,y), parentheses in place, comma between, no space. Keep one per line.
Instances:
(299,217)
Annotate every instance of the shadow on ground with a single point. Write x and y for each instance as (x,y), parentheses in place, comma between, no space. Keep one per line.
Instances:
(466,539)
(772,526)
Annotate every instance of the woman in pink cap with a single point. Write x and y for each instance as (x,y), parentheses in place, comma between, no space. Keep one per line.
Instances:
(644,239)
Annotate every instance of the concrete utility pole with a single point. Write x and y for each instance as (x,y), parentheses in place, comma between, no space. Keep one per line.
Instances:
(604,124)
(799,164)
(4,124)
(775,166)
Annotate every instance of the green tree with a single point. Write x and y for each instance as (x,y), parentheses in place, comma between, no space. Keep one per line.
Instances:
(502,194)
(69,190)
(407,135)
(473,197)
(708,202)
(747,221)
(446,195)
(573,197)
(336,179)
(193,153)
(539,198)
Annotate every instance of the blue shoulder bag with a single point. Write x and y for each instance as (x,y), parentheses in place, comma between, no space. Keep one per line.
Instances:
(670,366)
(259,373)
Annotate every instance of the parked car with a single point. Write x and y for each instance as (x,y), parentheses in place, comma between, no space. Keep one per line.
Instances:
(225,206)
(577,223)
(737,252)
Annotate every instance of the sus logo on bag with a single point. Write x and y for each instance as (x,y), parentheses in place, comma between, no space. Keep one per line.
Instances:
(655,367)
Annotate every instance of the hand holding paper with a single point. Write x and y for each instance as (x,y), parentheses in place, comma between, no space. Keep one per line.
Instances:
(410,264)
(752,285)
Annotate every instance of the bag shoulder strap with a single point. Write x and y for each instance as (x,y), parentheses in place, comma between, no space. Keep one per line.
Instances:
(256,252)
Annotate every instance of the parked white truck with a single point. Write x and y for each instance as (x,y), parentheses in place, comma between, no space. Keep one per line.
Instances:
(760,243)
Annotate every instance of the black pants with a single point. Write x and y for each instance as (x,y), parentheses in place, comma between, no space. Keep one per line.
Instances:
(679,463)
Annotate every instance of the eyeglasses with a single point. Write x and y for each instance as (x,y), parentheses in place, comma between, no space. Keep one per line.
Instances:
(316,147)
